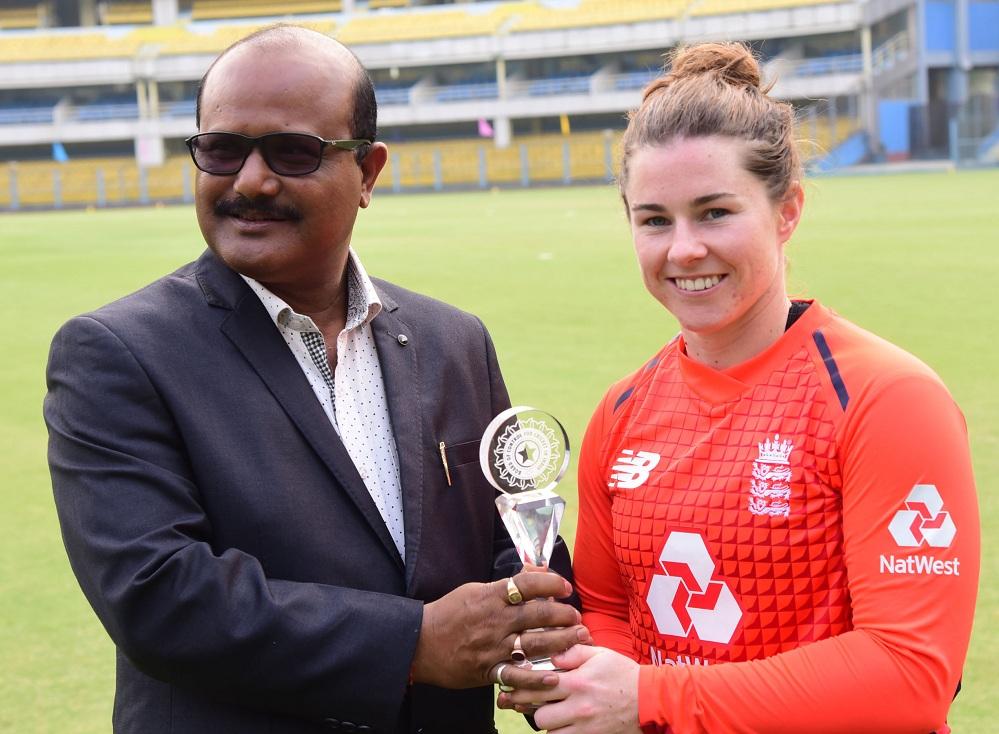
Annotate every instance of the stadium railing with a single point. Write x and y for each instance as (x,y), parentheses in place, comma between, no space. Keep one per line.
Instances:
(103,111)
(27,114)
(574,84)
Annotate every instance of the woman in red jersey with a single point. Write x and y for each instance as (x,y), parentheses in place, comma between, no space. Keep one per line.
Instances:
(778,526)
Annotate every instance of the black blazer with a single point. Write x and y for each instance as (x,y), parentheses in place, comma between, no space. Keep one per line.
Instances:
(222,534)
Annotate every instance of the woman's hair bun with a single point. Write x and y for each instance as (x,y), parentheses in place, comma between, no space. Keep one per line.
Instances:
(733,63)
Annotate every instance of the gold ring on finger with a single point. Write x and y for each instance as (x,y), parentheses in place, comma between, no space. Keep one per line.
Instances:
(513,595)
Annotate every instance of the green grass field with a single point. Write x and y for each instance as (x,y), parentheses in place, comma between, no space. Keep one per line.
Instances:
(914,258)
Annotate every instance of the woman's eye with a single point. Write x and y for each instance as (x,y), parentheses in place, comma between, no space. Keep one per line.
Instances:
(656,221)
(715,213)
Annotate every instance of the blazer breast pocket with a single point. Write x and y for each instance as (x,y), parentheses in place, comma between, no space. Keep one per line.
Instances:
(460,462)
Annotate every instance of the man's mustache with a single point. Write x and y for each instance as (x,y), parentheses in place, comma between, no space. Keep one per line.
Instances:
(241,207)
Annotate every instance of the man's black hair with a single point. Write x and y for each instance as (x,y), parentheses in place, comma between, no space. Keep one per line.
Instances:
(363,120)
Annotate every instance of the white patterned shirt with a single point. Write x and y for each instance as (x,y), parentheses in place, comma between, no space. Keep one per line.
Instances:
(353,397)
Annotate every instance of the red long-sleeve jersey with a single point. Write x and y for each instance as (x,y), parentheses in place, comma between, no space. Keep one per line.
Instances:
(789,545)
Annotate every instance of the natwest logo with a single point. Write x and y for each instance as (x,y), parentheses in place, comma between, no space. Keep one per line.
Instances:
(687,599)
(923,520)
(631,470)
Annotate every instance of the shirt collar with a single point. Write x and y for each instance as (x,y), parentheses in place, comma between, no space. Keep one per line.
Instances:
(363,303)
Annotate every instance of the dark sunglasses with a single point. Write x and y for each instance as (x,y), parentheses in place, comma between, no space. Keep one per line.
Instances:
(287,154)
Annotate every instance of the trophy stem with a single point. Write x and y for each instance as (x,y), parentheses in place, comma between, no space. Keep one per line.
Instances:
(532,519)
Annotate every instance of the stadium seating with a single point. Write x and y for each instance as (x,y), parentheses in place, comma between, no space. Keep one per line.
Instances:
(389,93)
(568,84)
(214,9)
(393,27)
(588,156)
(723,7)
(550,158)
(27,113)
(465,92)
(109,108)
(63,47)
(635,79)
(595,13)
(379,4)
(111,13)
(32,15)
(99,182)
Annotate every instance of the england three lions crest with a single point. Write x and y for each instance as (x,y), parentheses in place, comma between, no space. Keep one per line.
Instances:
(770,486)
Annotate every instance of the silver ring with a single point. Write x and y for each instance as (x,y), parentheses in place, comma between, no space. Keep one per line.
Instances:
(518,655)
(513,595)
(498,674)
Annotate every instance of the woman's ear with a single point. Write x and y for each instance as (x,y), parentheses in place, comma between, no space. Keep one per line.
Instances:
(789,211)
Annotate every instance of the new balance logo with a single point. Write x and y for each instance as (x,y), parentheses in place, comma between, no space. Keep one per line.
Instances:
(923,520)
(632,469)
(686,599)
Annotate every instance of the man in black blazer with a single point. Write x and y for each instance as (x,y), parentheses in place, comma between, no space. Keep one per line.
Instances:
(265,464)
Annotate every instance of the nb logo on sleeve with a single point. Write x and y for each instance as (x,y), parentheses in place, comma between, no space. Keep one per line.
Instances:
(632,469)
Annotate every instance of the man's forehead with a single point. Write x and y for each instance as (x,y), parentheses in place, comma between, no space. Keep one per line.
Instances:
(281,48)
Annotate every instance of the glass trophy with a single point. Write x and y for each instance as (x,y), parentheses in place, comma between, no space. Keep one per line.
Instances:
(524,453)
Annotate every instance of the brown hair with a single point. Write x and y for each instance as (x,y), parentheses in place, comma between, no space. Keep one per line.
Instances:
(714,89)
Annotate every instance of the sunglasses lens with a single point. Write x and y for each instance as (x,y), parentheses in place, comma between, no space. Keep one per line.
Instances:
(291,154)
(220,153)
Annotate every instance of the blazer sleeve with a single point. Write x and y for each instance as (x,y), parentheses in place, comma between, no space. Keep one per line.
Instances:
(139,541)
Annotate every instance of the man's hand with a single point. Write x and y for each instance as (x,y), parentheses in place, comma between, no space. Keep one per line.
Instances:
(596,692)
(466,632)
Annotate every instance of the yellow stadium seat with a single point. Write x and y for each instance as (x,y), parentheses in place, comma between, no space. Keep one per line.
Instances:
(113,13)
(386,28)
(378,4)
(33,15)
(596,13)
(59,47)
(205,9)
(727,7)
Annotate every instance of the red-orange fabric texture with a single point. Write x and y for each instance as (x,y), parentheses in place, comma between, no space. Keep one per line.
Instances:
(790,545)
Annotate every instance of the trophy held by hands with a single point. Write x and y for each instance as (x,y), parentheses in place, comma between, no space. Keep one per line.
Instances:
(524,453)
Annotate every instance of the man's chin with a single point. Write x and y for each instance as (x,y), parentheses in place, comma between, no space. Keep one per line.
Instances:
(247,258)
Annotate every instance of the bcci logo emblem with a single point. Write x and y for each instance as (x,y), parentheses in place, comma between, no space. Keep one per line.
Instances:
(525,453)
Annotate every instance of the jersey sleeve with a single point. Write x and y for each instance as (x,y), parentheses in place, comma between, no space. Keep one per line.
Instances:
(911,544)
(597,577)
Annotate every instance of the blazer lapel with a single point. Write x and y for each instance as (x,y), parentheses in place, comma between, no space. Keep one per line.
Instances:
(398,347)
(251,331)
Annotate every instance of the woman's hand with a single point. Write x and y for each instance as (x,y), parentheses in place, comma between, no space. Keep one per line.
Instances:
(596,693)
